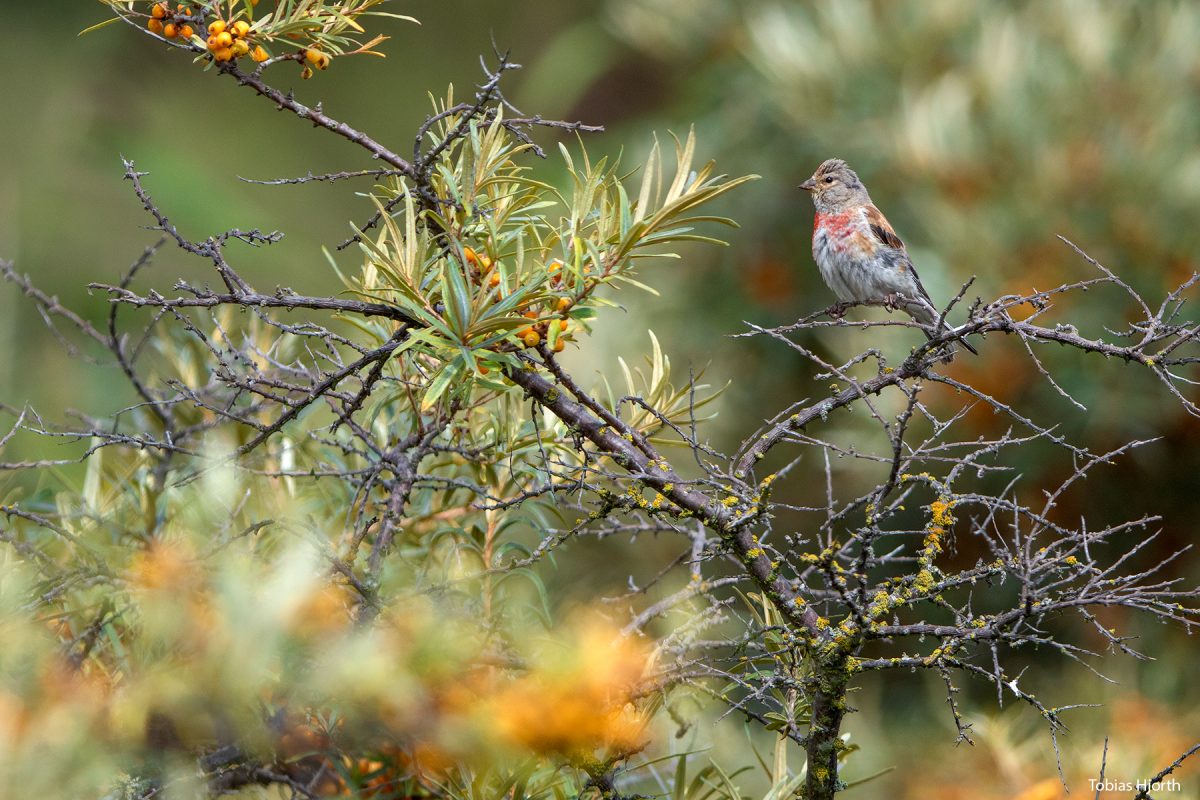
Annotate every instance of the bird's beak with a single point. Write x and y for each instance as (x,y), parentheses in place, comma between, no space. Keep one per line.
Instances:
(808,186)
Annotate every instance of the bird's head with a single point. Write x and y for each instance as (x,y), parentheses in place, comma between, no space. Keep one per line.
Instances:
(835,187)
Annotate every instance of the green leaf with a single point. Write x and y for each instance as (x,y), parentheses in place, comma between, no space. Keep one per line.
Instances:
(98,26)
(456,296)
(440,384)
(680,778)
(637,283)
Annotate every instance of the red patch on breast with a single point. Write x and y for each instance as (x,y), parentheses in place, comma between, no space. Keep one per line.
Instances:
(836,226)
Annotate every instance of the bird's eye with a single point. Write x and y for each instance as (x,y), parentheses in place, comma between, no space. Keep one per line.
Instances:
(829,179)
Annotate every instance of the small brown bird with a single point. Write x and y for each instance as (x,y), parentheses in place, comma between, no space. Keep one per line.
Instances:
(857,251)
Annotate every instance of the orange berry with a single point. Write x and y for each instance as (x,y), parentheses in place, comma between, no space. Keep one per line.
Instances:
(186,31)
(485,262)
(312,55)
(563,325)
(260,55)
(224,39)
(159,11)
(223,54)
(483,370)
(555,266)
(494,280)
(240,48)
(154,25)
(470,255)
(564,303)
(306,73)
(212,43)
(170,31)
(559,346)
(529,314)
(241,28)
(216,26)
(532,339)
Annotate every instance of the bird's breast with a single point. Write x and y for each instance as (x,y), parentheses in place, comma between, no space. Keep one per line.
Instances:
(833,227)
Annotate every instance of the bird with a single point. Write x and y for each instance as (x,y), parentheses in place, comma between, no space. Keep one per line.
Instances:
(857,251)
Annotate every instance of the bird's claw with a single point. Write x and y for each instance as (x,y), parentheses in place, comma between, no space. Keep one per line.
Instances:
(837,310)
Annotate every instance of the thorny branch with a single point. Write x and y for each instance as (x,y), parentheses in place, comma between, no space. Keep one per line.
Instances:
(1147,784)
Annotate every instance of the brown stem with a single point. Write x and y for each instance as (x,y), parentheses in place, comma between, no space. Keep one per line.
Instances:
(663,478)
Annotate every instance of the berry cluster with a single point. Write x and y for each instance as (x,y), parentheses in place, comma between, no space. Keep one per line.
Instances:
(170,24)
(482,270)
(480,265)
(226,41)
(317,58)
(229,41)
(532,335)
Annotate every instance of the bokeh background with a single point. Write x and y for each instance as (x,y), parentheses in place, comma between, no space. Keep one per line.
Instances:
(983,130)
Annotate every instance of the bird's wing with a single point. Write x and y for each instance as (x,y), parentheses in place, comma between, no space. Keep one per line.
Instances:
(883,232)
(886,235)
(882,229)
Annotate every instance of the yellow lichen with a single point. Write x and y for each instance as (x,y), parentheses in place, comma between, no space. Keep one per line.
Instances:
(939,511)
(923,583)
